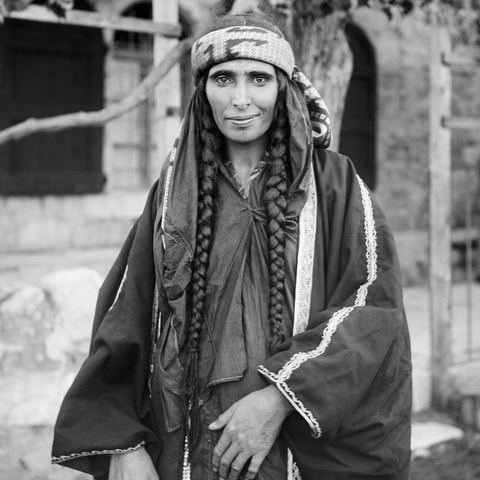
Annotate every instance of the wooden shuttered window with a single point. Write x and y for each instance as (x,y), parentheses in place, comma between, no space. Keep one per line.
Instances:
(46,70)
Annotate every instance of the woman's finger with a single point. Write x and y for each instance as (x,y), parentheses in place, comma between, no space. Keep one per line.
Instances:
(222,420)
(219,450)
(238,465)
(254,466)
(226,462)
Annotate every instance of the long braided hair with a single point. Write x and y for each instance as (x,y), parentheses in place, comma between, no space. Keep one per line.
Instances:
(212,152)
(275,198)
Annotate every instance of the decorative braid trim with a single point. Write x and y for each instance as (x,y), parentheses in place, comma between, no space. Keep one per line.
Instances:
(120,287)
(173,155)
(72,456)
(337,318)
(306,254)
(293,472)
(153,337)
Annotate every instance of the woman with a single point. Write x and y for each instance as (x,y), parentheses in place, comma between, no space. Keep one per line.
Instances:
(278,346)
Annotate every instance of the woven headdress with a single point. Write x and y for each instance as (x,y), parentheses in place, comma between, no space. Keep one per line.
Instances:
(260,44)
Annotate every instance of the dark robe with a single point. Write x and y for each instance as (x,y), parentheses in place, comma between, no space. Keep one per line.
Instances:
(346,369)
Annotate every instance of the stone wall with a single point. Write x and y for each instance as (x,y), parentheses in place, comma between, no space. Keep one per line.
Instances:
(68,222)
(45,337)
(402,55)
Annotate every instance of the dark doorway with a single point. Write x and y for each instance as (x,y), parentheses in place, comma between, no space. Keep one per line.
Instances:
(358,132)
(50,69)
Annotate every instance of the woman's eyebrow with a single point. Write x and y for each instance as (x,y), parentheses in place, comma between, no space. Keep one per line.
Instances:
(234,74)
(218,73)
(255,73)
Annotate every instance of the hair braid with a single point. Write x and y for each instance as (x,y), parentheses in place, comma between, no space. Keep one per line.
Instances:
(276,202)
(212,147)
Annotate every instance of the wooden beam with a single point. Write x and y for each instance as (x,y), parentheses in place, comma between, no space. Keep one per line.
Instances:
(82,18)
(460,63)
(440,275)
(461,123)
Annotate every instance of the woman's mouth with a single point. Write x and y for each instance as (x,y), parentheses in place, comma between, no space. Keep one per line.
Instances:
(243,120)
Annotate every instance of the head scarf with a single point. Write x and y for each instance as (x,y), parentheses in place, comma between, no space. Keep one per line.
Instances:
(260,44)
(241,42)
(181,183)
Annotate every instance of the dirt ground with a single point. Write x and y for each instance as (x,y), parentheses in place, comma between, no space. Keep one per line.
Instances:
(455,460)
(452,460)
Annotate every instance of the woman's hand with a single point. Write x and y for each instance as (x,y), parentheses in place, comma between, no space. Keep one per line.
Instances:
(251,427)
(136,465)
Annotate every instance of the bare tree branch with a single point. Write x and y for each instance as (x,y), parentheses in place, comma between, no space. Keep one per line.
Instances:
(89,119)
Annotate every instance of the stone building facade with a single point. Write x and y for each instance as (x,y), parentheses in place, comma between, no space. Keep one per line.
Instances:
(134,145)
(45,333)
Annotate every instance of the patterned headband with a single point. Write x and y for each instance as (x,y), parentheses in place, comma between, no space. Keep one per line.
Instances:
(232,43)
(266,46)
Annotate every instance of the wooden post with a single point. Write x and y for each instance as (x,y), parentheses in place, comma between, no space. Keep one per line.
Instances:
(440,213)
(168,94)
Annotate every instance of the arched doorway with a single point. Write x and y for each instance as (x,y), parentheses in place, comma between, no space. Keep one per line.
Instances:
(358,131)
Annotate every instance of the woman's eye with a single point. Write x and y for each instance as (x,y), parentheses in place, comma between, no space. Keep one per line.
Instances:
(222,80)
(259,80)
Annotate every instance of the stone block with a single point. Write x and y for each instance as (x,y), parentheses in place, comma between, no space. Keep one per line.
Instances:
(73,294)
(46,331)
(25,455)
(33,398)
(422,390)
(427,434)
(42,234)
(26,320)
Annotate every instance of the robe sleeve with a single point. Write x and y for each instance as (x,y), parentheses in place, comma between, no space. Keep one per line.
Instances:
(356,312)
(107,410)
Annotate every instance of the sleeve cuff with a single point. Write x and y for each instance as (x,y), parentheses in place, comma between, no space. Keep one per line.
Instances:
(282,386)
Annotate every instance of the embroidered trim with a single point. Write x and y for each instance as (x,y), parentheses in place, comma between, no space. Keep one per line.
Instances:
(72,456)
(120,287)
(153,338)
(306,254)
(177,343)
(337,318)
(173,154)
(293,471)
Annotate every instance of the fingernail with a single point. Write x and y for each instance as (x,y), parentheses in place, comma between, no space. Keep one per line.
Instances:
(211,425)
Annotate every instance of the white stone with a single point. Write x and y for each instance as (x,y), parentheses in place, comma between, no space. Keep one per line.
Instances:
(422,389)
(26,319)
(466,378)
(73,294)
(427,434)
(34,398)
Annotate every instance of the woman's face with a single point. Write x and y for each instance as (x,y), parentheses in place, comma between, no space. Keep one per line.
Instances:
(242,94)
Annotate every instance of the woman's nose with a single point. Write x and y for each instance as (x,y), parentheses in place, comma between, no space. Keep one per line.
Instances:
(241,96)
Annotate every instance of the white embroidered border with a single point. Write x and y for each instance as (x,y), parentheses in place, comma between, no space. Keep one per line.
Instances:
(173,154)
(306,254)
(293,471)
(120,287)
(337,318)
(72,456)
